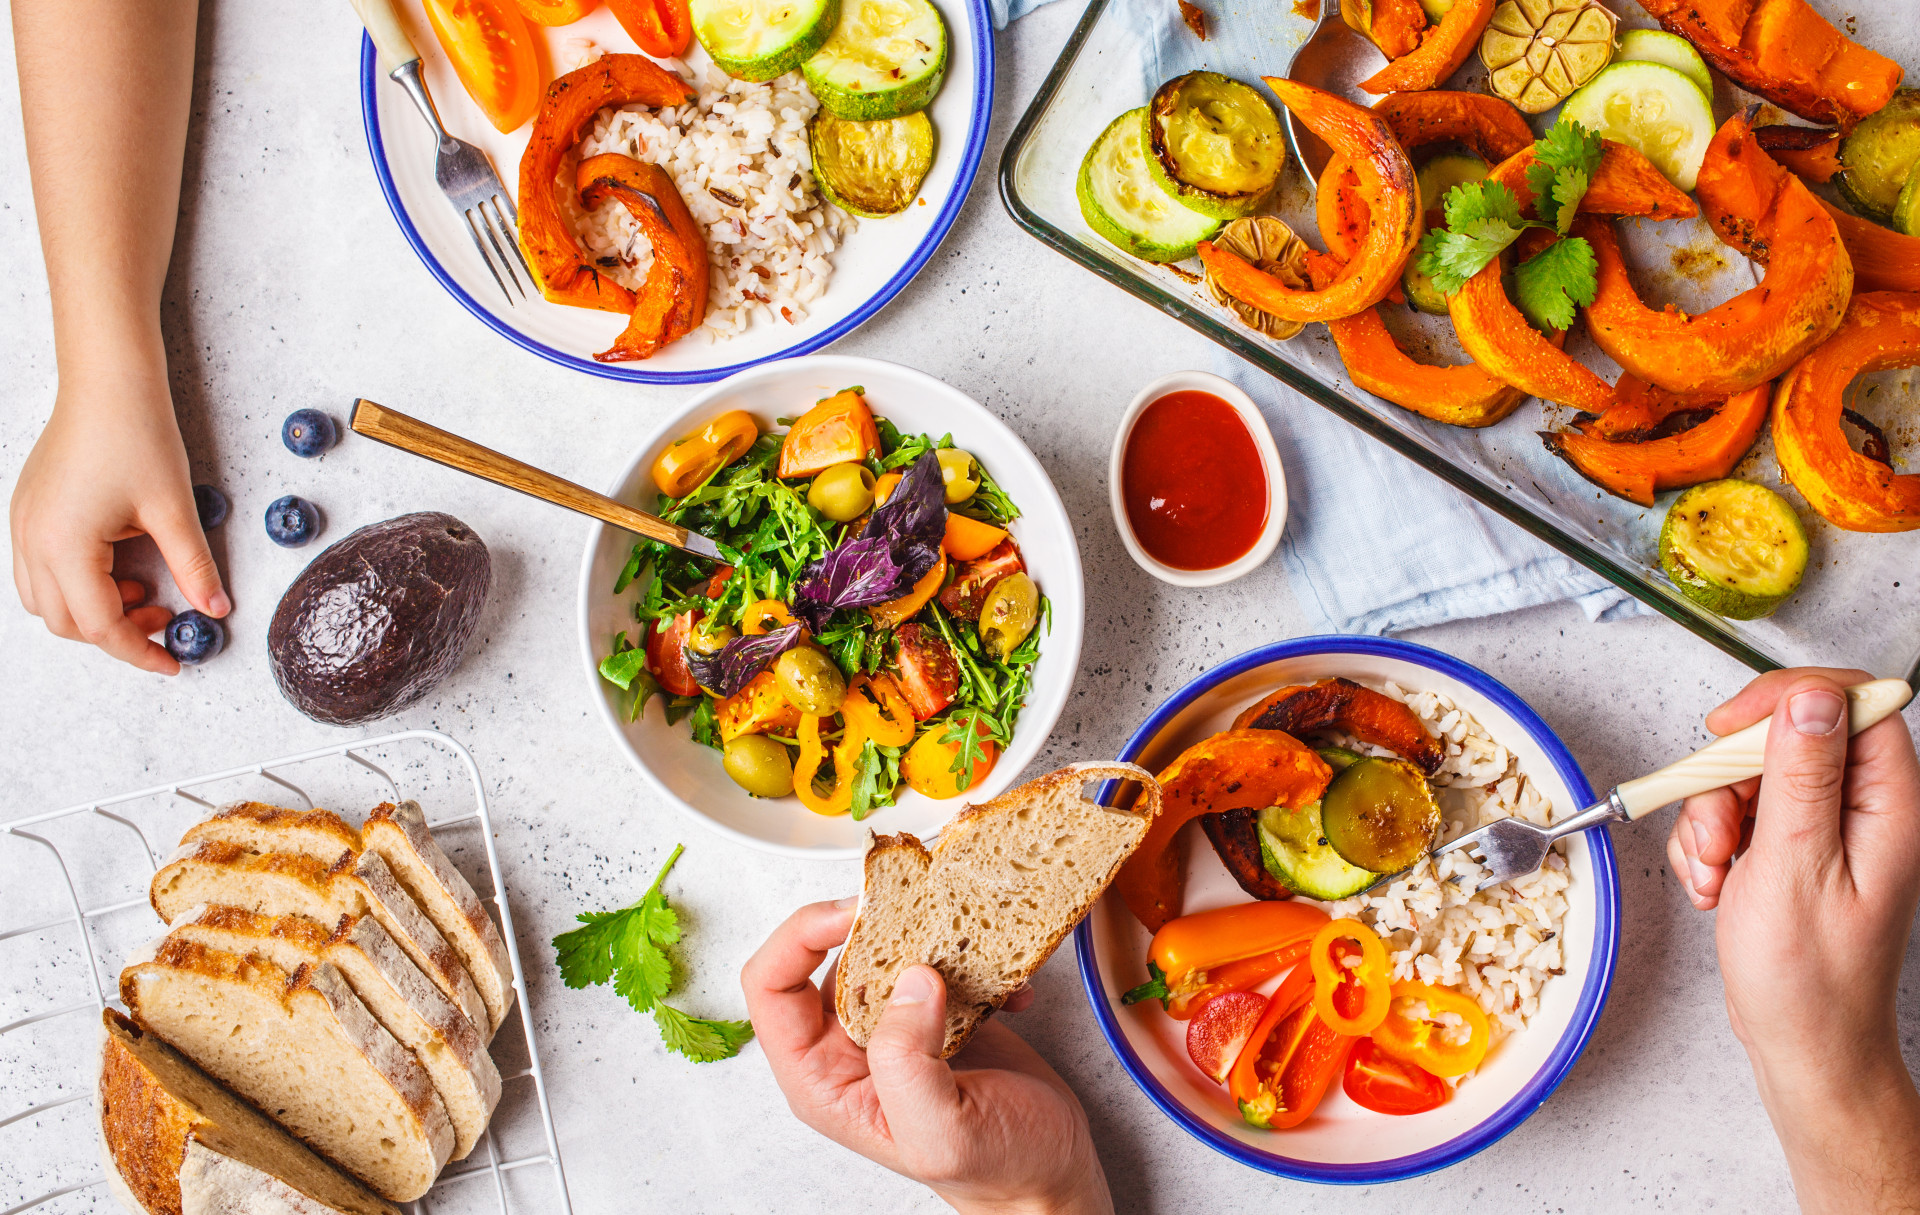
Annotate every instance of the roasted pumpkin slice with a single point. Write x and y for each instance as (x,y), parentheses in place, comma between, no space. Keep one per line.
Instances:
(1235,836)
(1881,331)
(1626,183)
(1811,152)
(1786,52)
(1463,395)
(1341,704)
(563,270)
(1496,334)
(1641,411)
(1232,770)
(673,300)
(1443,49)
(1638,471)
(1385,183)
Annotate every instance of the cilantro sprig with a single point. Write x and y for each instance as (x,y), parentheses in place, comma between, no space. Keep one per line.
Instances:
(629,947)
(1483,218)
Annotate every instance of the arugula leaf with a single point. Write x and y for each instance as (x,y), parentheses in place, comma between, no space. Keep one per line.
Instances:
(1155,988)
(1550,283)
(1564,162)
(876,778)
(706,724)
(964,730)
(619,667)
(630,947)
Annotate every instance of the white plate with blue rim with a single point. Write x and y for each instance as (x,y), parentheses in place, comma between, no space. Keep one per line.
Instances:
(1342,1143)
(875,263)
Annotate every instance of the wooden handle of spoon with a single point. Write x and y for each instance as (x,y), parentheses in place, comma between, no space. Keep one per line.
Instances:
(396,429)
(1741,754)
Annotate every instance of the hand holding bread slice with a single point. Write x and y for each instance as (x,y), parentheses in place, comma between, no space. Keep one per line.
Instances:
(988,905)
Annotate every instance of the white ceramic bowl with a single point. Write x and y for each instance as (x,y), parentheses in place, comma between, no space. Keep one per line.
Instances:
(1226,390)
(1343,1143)
(690,774)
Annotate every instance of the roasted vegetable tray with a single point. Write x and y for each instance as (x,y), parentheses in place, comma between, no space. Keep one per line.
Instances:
(1857,606)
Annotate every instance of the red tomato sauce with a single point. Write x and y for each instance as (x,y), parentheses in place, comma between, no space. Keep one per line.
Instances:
(1193,482)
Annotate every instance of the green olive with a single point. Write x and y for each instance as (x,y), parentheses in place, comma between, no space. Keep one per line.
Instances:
(703,640)
(759,765)
(1009,614)
(961,472)
(810,681)
(842,493)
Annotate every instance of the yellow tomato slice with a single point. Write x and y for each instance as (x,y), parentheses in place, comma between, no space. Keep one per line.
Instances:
(492,53)
(927,766)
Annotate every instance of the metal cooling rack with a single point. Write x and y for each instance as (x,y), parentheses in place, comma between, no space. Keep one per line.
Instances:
(92,879)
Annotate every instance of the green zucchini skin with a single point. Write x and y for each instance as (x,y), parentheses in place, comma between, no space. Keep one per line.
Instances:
(1220,113)
(713,26)
(900,150)
(1294,848)
(1734,547)
(1120,200)
(846,74)
(1878,156)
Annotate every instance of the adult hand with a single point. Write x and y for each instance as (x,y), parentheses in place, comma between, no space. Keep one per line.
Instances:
(110,465)
(997,1131)
(1813,925)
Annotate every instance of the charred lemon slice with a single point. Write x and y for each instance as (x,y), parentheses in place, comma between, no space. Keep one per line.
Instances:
(1539,51)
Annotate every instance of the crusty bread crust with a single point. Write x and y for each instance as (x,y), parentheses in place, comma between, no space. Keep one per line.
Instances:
(899,876)
(320,834)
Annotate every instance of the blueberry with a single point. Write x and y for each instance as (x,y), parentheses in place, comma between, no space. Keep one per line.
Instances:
(211,505)
(291,521)
(193,638)
(308,432)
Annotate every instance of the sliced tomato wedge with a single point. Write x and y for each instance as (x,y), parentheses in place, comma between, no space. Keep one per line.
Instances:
(492,53)
(1217,1035)
(967,593)
(667,655)
(663,28)
(927,673)
(1387,1085)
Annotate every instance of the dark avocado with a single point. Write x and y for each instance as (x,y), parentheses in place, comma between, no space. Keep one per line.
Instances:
(379,618)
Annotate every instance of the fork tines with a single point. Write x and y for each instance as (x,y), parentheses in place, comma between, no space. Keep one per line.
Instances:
(496,218)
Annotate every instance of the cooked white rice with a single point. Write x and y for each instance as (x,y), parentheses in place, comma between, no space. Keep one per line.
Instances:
(1501,946)
(739,156)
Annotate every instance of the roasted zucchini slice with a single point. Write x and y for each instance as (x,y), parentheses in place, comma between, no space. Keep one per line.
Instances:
(1294,848)
(1214,143)
(1120,201)
(762,39)
(871,168)
(1436,177)
(1877,158)
(1734,547)
(1379,814)
(884,59)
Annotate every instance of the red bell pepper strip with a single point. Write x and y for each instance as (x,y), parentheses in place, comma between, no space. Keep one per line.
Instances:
(1386,1085)
(1196,957)
(1293,1055)
(662,28)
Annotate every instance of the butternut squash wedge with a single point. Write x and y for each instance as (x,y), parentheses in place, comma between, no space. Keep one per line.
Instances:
(1626,183)
(1232,770)
(1750,338)
(1386,185)
(1811,152)
(1639,410)
(564,272)
(1739,179)
(1786,52)
(1443,48)
(1497,335)
(1341,704)
(1638,471)
(1881,331)
(1464,395)
(672,301)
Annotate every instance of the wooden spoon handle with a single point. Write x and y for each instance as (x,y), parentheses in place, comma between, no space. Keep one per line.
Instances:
(396,429)
(1740,755)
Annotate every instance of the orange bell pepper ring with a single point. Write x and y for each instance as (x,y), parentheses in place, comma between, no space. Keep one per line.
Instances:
(691,459)
(764,616)
(1369,981)
(1293,1055)
(888,722)
(846,763)
(1427,1042)
(1210,953)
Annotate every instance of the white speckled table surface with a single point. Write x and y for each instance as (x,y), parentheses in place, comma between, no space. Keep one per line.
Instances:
(292,287)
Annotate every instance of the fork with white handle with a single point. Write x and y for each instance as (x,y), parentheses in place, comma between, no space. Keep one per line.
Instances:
(1511,847)
(463,172)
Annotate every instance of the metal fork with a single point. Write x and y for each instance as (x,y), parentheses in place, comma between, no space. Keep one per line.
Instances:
(1512,847)
(464,173)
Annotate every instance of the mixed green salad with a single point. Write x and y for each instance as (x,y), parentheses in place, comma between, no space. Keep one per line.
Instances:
(874,624)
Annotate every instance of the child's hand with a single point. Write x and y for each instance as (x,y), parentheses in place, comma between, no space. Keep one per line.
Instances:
(996,1131)
(110,465)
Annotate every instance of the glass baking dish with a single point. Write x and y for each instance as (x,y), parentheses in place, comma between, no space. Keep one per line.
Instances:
(1856,607)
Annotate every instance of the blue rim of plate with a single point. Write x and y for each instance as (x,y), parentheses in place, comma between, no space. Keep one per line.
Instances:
(1593,996)
(981,27)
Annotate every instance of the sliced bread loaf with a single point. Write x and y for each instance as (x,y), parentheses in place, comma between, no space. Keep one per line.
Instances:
(233,874)
(987,907)
(259,827)
(409,1007)
(399,834)
(178,1143)
(304,1049)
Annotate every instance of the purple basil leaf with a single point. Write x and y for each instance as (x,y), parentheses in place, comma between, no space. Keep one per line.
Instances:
(900,544)
(730,668)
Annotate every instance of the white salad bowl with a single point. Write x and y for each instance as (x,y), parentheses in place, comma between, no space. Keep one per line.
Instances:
(690,774)
(1342,1143)
(1228,391)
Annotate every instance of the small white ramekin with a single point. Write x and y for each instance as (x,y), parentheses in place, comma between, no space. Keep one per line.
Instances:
(1253,558)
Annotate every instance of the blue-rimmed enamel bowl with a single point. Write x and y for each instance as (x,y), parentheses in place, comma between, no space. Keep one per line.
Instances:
(1343,1144)
(874,264)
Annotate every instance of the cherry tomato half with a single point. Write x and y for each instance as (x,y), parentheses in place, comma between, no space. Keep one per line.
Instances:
(667,655)
(492,53)
(1385,1085)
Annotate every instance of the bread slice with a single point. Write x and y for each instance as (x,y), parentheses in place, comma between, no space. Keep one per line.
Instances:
(399,834)
(304,1049)
(387,982)
(260,827)
(287,883)
(177,1143)
(988,906)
